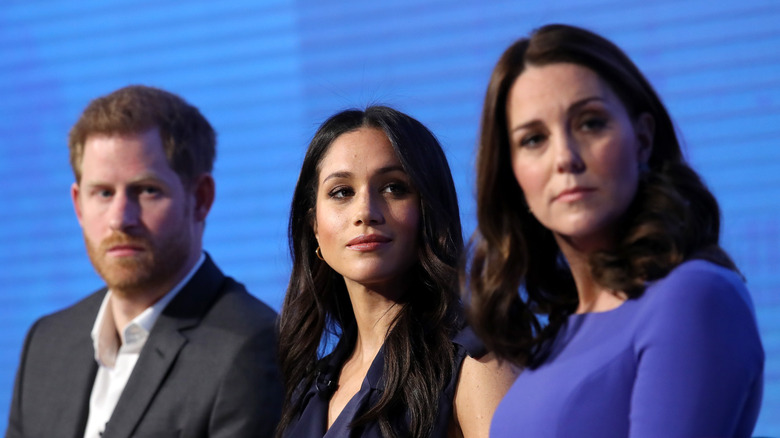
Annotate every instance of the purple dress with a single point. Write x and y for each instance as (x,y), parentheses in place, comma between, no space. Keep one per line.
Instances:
(312,419)
(683,360)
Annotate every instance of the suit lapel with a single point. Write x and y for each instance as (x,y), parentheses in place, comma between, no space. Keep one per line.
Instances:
(82,384)
(163,346)
(153,364)
(78,373)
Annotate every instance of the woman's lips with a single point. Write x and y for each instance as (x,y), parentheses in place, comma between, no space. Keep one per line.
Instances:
(573,194)
(368,242)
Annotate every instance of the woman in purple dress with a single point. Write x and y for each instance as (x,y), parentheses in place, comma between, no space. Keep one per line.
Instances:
(375,238)
(596,264)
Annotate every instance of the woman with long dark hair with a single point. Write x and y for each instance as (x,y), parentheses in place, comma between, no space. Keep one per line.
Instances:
(596,264)
(375,239)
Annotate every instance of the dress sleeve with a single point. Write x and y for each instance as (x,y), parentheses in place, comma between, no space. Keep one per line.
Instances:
(473,346)
(700,359)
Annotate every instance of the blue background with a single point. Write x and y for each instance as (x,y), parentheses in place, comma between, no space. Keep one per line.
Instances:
(266,73)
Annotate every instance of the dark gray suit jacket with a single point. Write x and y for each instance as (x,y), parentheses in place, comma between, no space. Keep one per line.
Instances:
(208,369)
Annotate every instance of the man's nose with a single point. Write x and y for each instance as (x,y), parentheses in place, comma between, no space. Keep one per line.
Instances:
(124,212)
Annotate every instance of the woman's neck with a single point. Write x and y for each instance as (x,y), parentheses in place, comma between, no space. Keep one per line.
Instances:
(375,310)
(592,296)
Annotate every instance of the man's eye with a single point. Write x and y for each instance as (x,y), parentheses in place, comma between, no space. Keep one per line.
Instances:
(150,191)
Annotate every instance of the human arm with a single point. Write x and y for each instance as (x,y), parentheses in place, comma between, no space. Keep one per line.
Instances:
(700,360)
(481,386)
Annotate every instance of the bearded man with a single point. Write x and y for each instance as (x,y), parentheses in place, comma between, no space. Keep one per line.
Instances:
(170,347)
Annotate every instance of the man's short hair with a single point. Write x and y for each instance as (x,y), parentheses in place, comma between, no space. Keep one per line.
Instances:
(188,139)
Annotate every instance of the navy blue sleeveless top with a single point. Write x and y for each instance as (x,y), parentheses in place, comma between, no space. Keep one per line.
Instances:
(312,420)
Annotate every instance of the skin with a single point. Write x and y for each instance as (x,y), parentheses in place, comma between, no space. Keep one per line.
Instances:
(576,153)
(142,226)
(363,190)
(482,384)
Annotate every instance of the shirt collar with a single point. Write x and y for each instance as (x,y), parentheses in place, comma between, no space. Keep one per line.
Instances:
(335,362)
(104,332)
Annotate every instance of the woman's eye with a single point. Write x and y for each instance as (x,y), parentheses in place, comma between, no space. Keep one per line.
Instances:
(397,188)
(594,124)
(340,192)
(532,140)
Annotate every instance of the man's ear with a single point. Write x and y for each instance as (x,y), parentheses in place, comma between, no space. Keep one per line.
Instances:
(204,191)
(645,134)
(74,196)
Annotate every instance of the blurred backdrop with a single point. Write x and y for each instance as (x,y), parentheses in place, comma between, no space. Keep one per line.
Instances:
(266,73)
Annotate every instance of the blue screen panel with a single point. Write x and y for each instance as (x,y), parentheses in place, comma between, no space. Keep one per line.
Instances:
(267,73)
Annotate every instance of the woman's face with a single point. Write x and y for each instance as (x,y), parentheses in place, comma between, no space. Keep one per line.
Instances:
(575,151)
(367,212)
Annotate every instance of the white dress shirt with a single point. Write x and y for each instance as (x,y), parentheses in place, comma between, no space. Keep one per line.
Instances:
(117,352)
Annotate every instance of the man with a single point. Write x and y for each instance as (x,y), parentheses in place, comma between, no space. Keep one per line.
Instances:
(170,347)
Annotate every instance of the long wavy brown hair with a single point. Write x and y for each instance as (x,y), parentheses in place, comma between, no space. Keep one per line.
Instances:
(418,349)
(516,271)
